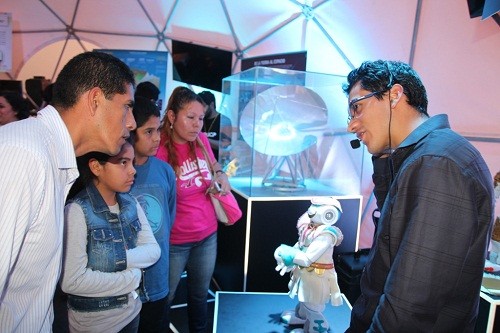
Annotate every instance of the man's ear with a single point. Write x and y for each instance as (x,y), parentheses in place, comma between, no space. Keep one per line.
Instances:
(395,94)
(94,98)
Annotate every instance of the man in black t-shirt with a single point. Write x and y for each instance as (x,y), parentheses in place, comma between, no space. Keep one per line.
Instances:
(216,126)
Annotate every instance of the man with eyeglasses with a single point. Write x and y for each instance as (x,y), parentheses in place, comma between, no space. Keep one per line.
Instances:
(434,191)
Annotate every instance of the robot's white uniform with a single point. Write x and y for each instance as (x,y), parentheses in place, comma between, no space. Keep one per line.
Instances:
(310,261)
(314,279)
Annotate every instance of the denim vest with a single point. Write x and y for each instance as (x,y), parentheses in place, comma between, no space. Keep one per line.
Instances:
(108,237)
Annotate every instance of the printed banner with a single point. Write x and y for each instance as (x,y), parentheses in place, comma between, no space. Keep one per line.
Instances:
(5,42)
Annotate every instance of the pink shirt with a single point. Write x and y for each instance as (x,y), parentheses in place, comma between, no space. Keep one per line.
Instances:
(195,216)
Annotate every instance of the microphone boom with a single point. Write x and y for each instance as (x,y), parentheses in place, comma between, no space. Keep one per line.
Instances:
(355,144)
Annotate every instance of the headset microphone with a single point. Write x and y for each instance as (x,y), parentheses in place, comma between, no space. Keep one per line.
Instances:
(355,144)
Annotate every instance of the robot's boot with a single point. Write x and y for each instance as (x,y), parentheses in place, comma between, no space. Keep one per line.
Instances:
(289,317)
(319,326)
(315,321)
(293,317)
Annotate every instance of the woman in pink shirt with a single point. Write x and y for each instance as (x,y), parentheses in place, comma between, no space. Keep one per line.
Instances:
(193,239)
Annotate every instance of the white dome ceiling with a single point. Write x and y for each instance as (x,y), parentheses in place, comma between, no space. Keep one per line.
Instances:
(437,37)
(457,57)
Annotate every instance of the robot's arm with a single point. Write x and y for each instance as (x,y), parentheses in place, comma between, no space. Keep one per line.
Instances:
(287,256)
(322,244)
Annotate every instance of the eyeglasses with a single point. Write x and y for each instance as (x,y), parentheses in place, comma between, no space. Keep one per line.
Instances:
(353,111)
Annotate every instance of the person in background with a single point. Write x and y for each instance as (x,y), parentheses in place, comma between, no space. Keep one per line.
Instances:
(108,240)
(217,127)
(154,188)
(150,91)
(425,267)
(47,95)
(193,240)
(92,111)
(13,107)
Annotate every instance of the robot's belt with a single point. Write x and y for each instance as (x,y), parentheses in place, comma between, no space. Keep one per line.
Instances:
(317,267)
(320,265)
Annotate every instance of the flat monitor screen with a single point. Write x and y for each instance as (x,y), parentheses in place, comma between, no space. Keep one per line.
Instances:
(199,65)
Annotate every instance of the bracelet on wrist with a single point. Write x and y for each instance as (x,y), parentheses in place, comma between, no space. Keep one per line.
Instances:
(219,171)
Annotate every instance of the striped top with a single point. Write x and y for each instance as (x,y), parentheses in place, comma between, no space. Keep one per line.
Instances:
(37,169)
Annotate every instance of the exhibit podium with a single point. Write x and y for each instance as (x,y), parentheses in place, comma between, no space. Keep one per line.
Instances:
(260,312)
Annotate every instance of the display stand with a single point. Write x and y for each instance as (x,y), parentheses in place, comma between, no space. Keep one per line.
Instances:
(294,182)
(245,259)
(289,143)
(260,312)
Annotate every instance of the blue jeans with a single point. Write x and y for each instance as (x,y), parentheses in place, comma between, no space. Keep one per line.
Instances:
(154,316)
(198,260)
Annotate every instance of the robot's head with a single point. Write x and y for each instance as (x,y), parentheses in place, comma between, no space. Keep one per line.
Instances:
(324,210)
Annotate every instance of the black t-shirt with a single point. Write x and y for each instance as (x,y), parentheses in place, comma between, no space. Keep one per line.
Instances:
(211,127)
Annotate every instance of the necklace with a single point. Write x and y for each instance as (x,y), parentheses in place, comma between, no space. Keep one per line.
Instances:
(211,124)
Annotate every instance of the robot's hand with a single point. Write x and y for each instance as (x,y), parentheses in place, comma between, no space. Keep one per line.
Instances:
(286,253)
(280,265)
(282,268)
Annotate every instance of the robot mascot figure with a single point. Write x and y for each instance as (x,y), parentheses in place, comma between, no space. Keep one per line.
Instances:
(310,261)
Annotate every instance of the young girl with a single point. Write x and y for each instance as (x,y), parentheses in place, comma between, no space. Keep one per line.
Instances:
(108,241)
(193,239)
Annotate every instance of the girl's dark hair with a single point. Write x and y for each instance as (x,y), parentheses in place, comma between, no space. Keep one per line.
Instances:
(18,103)
(179,98)
(147,89)
(143,110)
(86,175)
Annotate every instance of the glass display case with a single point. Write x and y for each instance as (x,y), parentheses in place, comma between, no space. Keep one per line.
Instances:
(289,134)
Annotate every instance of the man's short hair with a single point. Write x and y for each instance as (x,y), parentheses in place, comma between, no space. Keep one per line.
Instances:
(89,70)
